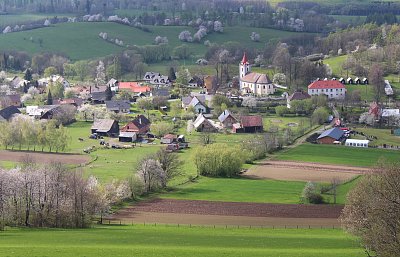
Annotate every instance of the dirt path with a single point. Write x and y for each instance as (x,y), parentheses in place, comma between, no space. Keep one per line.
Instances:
(300,171)
(231,209)
(18,156)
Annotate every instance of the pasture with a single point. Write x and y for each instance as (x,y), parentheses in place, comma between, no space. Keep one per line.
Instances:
(139,240)
(340,155)
(80,41)
(17,19)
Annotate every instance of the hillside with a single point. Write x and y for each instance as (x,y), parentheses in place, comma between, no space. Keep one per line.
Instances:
(81,41)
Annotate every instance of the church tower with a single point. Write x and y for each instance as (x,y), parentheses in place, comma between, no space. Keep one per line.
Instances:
(244,67)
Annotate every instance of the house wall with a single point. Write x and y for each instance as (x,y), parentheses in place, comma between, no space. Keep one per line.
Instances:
(228,122)
(326,140)
(206,127)
(257,89)
(331,93)
(200,108)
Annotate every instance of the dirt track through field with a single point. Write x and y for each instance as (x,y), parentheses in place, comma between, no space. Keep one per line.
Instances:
(172,211)
(301,171)
(18,156)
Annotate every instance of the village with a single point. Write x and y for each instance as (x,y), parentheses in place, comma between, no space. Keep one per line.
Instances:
(203,107)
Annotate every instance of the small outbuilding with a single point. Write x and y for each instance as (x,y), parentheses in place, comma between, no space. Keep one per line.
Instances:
(105,127)
(168,139)
(227,120)
(357,143)
(127,137)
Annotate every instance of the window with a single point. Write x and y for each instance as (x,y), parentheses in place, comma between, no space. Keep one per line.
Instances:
(263,87)
(331,89)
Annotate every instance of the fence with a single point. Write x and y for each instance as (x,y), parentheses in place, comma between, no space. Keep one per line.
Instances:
(155,224)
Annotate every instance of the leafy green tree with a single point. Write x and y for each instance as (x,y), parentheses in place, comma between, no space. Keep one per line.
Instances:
(218,160)
(57,90)
(50,71)
(281,110)
(320,115)
(161,128)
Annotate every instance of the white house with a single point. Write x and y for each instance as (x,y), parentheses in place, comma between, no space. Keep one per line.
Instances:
(252,82)
(357,143)
(333,89)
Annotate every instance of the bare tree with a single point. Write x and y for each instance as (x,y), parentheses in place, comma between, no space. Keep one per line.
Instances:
(170,164)
(373,209)
(376,79)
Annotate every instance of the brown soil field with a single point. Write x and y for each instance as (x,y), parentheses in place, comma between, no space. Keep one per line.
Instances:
(140,217)
(169,210)
(18,156)
(298,171)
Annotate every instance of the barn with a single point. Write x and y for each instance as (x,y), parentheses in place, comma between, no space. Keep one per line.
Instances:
(330,136)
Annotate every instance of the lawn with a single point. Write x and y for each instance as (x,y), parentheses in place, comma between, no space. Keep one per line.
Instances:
(332,154)
(17,19)
(384,136)
(239,190)
(139,240)
(80,41)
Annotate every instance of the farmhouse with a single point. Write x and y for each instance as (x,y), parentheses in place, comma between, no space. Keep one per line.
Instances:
(249,124)
(156,79)
(196,81)
(7,113)
(72,101)
(48,111)
(161,92)
(356,143)
(11,100)
(298,95)
(197,102)
(134,87)
(253,83)
(140,125)
(119,106)
(127,137)
(202,124)
(105,127)
(227,120)
(330,136)
(333,89)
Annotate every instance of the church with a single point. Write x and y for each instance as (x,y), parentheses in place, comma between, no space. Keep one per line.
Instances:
(253,83)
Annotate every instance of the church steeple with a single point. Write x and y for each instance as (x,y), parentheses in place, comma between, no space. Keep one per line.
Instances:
(244,66)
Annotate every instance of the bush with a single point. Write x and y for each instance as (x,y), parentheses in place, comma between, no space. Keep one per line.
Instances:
(218,160)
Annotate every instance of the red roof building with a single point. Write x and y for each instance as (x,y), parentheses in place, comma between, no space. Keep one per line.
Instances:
(140,125)
(333,89)
(134,87)
(249,124)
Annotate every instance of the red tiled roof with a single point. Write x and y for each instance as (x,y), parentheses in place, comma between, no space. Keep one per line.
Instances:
(244,59)
(252,121)
(323,84)
(258,78)
(134,87)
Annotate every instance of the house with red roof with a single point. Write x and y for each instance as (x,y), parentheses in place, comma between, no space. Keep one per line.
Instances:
(333,89)
(134,87)
(252,82)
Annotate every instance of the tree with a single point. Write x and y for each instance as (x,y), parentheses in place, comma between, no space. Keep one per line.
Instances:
(183,77)
(372,210)
(108,93)
(50,71)
(249,102)
(182,52)
(161,128)
(151,174)
(57,90)
(319,116)
(170,164)
(114,70)
(218,160)
(310,194)
(281,110)
(279,78)
(145,103)
(376,79)
(49,98)
(28,75)
(171,74)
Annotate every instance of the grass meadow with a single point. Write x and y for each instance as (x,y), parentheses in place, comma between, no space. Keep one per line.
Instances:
(80,41)
(139,240)
(340,155)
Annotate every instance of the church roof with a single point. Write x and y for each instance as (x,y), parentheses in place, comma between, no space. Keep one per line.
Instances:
(244,59)
(257,78)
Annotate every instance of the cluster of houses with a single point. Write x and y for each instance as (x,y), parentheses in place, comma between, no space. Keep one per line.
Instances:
(228,122)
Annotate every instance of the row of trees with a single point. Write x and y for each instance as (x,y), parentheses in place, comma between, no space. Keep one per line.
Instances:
(25,132)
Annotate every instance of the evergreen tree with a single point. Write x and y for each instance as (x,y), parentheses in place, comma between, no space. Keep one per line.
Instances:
(26,87)
(28,75)
(108,93)
(171,75)
(49,98)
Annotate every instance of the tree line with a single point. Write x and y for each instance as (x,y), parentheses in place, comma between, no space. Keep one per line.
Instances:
(33,135)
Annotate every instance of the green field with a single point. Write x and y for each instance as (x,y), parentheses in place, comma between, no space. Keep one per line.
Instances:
(17,19)
(332,154)
(384,136)
(145,241)
(80,41)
